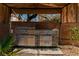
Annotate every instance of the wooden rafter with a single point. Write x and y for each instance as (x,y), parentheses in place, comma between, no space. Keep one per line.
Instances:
(36,5)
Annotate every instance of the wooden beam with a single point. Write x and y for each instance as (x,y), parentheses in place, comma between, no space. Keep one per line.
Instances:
(38,11)
(36,5)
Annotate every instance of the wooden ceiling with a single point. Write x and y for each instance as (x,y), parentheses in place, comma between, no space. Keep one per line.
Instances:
(36,5)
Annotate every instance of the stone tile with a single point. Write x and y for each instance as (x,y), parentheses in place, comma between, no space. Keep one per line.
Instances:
(49,52)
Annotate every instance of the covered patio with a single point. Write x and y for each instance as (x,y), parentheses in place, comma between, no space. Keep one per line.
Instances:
(39,25)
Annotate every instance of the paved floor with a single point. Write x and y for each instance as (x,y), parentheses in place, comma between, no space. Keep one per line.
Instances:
(70,50)
(41,52)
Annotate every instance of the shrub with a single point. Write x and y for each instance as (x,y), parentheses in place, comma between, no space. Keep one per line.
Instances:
(6,46)
(74,33)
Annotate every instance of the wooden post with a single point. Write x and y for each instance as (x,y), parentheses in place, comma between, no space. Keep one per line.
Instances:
(4,21)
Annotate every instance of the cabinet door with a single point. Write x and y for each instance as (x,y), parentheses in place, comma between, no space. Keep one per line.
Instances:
(30,40)
(45,40)
(26,41)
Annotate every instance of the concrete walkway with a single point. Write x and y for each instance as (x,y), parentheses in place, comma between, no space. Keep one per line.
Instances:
(41,52)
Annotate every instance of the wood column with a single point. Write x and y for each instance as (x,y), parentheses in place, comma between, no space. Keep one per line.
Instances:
(4,21)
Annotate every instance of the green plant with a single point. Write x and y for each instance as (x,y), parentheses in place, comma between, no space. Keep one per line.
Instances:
(74,33)
(6,46)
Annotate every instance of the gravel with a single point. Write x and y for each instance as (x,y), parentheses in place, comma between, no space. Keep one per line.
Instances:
(70,50)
